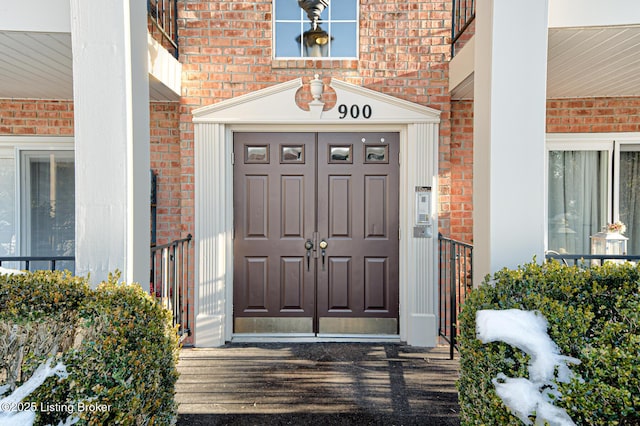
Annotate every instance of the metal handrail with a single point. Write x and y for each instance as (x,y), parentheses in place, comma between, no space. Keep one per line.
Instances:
(454,284)
(164,16)
(28,259)
(463,12)
(579,259)
(170,278)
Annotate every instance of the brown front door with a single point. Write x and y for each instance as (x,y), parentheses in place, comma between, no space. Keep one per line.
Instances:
(316,233)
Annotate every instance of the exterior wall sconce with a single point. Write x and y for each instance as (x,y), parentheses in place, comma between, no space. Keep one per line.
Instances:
(315,42)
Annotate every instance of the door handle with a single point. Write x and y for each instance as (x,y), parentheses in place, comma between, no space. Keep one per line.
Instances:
(323,247)
(308,245)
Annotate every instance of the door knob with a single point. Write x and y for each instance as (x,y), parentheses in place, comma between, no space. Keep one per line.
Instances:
(323,246)
(308,245)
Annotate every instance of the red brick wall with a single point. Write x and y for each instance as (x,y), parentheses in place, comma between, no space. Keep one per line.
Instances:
(593,115)
(226,51)
(165,161)
(461,198)
(36,117)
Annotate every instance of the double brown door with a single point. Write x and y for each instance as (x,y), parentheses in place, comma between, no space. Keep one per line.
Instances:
(316,233)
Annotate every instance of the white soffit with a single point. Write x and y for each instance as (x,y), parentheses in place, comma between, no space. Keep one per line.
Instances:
(586,62)
(276,104)
(39,65)
(594,62)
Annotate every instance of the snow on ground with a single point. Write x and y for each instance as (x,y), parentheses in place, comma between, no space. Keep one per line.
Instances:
(14,409)
(527,331)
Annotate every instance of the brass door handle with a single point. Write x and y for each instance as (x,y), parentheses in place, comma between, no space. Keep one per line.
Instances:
(323,247)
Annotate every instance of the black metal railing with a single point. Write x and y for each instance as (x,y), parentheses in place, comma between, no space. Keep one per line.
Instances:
(586,260)
(170,281)
(37,263)
(454,284)
(163,15)
(463,13)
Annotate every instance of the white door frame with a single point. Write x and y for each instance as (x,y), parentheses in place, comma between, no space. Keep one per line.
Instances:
(274,110)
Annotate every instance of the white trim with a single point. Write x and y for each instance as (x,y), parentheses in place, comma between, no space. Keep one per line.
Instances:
(274,109)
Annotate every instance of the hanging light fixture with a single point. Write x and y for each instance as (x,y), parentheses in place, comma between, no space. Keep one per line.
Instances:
(314,9)
(315,41)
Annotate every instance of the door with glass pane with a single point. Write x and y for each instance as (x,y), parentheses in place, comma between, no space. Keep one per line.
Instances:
(47,205)
(628,201)
(316,233)
(578,198)
(591,184)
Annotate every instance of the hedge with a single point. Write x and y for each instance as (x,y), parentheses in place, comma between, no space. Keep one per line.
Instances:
(117,343)
(592,314)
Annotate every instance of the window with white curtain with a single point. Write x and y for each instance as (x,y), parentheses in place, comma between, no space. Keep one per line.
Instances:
(37,199)
(592,180)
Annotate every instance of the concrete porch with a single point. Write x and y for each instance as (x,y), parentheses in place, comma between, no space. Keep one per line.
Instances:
(317,384)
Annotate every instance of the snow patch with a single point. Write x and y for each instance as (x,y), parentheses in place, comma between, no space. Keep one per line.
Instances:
(527,331)
(6,271)
(27,418)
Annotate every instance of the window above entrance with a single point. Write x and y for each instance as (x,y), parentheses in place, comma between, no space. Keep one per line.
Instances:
(316,29)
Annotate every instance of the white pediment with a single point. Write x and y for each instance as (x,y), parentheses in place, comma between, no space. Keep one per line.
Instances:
(354,104)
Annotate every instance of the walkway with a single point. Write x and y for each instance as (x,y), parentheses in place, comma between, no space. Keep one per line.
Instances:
(317,384)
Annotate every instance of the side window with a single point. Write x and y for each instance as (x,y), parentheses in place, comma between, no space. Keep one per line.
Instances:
(316,29)
(7,204)
(47,212)
(591,183)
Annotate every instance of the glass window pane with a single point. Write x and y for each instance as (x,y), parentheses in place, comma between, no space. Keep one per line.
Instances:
(340,154)
(292,154)
(291,21)
(7,207)
(630,197)
(344,41)
(287,36)
(578,182)
(49,210)
(376,154)
(345,10)
(287,9)
(256,154)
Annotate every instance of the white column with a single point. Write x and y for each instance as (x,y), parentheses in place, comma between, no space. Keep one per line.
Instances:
(111,104)
(509,116)
(213,201)
(418,256)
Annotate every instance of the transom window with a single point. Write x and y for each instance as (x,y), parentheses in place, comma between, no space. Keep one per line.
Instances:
(592,181)
(333,33)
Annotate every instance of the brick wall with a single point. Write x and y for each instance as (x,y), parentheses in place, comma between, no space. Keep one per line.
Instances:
(596,115)
(165,161)
(461,155)
(226,51)
(36,117)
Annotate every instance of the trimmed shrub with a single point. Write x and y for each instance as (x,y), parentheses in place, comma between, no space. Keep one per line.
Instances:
(592,314)
(122,358)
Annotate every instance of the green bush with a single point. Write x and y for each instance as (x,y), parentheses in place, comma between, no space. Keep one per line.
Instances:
(121,361)
(592,314)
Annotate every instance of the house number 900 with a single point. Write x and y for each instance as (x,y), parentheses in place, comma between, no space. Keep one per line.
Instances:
(354,111)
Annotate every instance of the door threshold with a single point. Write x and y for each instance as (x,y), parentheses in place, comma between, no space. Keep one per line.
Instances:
(312,338)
